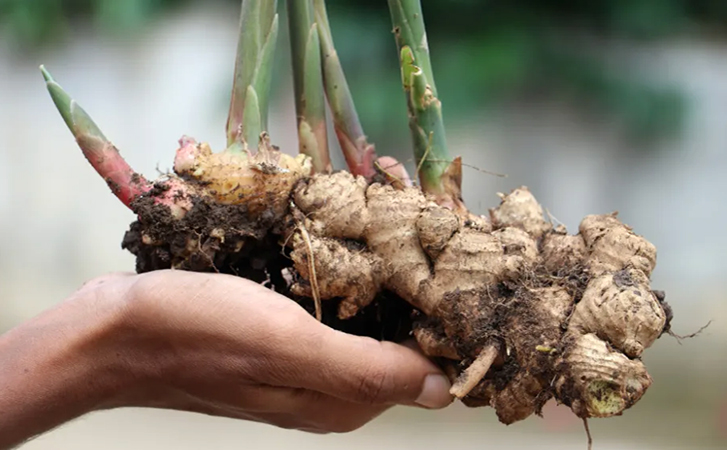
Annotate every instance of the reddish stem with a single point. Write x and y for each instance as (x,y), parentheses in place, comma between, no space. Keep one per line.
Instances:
(126,184)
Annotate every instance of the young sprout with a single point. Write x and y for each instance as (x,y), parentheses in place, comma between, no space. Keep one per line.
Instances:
(310,102)
(124,182)
(248,117)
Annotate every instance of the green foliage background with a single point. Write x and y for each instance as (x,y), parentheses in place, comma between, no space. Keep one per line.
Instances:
(484,52)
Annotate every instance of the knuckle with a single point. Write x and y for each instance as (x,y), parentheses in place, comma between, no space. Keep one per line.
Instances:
(144,296)
(143,285)
(289,328)
(376,385)
(282,347)
(95,283)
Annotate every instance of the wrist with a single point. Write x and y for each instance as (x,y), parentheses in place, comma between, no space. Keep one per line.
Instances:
(65,363)
(114,346)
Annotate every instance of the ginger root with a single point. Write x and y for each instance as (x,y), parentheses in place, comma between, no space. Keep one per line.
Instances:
(516,310)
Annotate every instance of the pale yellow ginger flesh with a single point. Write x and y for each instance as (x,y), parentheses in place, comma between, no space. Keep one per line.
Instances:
(261,182)
(602,382)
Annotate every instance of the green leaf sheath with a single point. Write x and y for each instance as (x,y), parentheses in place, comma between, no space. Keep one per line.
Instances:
(409,30)
(126,184)
(359,154)
(310,103)
(425,109)
(253,74)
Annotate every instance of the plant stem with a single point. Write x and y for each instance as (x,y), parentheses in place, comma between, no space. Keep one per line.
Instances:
(126,184)
(409,30)
(310,103)
(248,117)
(359,154)
(437,176)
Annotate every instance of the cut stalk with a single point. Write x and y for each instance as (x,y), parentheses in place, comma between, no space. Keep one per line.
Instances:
(359,154)
(248,117)
(126,184)
(310,103)
(436,174)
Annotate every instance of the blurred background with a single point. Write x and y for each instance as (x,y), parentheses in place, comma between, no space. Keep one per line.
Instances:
(596,106)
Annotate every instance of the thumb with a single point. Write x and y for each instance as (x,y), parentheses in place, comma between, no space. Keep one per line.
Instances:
(364,370)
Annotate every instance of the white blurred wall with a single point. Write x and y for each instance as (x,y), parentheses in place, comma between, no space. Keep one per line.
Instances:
(59,226)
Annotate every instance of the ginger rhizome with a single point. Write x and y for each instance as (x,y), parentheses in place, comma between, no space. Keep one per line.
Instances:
(516,310)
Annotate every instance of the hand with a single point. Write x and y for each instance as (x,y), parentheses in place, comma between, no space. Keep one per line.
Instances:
(211,344)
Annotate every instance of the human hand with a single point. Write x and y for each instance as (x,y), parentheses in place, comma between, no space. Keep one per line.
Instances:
(211,344)
(226,346)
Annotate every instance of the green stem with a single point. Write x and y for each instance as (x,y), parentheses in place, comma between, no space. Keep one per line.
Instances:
(248,117)
(425,109)
(409,30)
(310,103)
(359,154)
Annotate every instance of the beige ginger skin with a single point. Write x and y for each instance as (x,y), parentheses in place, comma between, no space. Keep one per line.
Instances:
(516,310)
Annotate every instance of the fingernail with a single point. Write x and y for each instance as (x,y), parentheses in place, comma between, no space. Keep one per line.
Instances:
(435,392)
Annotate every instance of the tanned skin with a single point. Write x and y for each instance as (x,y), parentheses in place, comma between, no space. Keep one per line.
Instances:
(210,344)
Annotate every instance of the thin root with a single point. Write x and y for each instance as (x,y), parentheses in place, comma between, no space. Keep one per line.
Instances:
(689,336)
(588,433)
(553,220)
(315,290)
(390,166)
(486,172)
(469,166)
(396,180)
(426,153)
(472,376)
(207,257)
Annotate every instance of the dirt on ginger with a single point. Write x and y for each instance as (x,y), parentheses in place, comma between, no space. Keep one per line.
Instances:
(515,309)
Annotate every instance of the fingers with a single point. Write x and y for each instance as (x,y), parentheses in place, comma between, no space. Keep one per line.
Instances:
(309,410)
(229,330)
(288,408)
(363,370)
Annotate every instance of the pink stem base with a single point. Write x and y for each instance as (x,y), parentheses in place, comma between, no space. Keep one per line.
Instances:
(126,184)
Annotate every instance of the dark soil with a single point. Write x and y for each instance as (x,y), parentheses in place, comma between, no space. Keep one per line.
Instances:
(226,239)
(223,239)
